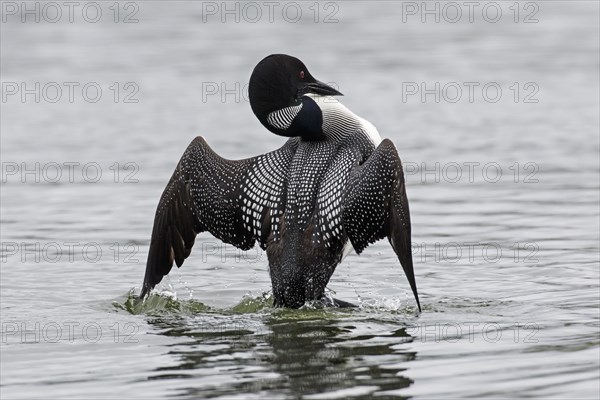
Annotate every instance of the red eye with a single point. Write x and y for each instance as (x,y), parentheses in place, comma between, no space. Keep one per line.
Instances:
(301,74)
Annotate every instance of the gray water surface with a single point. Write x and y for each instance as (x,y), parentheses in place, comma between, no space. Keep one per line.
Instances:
(503,189)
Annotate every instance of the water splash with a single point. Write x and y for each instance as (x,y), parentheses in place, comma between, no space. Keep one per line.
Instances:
(159,303)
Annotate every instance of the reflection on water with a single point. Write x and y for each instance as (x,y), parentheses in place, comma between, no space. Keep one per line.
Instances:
(284,352)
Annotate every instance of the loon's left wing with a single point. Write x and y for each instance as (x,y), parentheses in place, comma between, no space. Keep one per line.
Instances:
(376,206)
(237,201)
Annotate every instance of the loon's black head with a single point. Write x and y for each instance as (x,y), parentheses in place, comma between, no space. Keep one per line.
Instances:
(277,85)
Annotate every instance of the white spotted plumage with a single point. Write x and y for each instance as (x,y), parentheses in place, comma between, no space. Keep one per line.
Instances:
(263,188)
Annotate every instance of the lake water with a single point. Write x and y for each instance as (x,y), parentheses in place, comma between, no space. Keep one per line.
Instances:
(493,109)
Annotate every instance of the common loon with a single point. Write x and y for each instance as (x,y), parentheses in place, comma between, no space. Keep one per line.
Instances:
(333,187)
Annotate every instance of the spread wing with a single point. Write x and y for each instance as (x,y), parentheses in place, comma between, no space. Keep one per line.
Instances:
(238,202)
(376,206)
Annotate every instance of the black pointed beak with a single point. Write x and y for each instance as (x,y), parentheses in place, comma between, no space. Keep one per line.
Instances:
(318,87)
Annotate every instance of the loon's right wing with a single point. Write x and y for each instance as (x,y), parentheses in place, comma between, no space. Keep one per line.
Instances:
(238,202)
(376,206)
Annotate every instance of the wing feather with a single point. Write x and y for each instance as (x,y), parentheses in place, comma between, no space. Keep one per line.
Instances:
(376,206)
(234,200)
